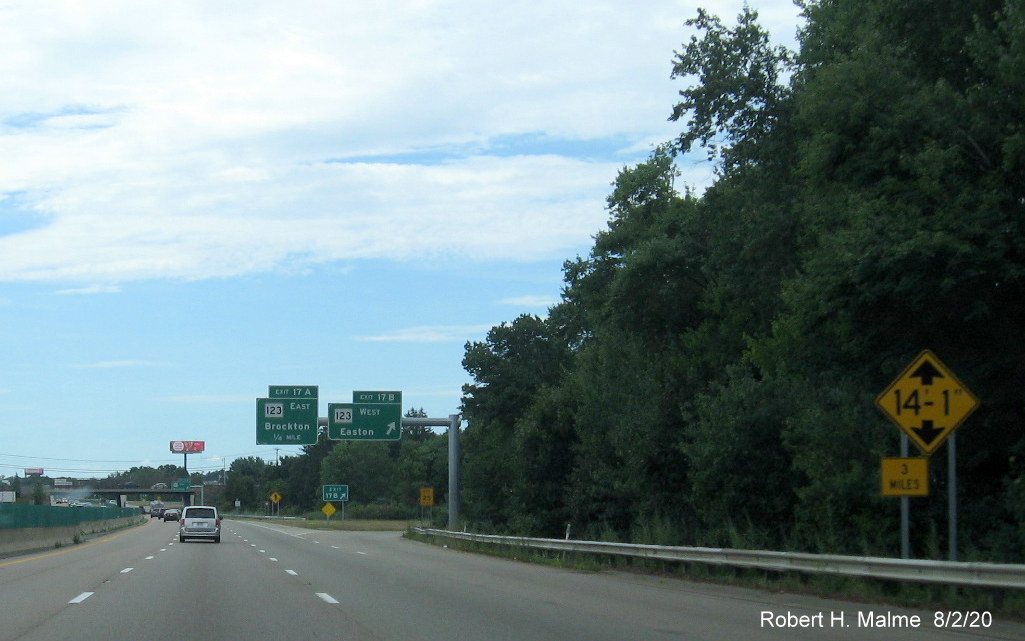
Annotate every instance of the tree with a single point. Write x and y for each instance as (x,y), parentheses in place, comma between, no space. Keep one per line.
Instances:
(738,101)
(366,467)
(38,494)
(246,479)
(508,369)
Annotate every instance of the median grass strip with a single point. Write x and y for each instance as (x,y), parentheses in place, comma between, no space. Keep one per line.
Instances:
(351,525)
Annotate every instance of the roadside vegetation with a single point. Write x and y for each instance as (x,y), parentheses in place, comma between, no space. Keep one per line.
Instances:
(709,376)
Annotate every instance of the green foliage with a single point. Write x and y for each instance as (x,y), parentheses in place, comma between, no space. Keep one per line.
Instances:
(39,494)
(710,373)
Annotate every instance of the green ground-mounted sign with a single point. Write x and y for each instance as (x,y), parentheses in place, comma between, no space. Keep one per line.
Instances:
(335,492)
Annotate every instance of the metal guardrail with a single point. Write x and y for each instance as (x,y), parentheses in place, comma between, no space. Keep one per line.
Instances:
(990,575)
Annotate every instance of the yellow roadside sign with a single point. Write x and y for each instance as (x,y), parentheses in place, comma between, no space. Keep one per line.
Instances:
(427,496)
(927,402)
(905,476)
(275,497)
(328,509)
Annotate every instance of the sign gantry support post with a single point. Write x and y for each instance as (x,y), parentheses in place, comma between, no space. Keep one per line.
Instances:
(453,423)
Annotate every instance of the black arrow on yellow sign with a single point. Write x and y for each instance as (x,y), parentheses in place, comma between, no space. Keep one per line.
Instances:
(926,372)
(928,433)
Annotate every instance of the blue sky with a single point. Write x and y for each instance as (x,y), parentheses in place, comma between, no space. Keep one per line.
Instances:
(200,200)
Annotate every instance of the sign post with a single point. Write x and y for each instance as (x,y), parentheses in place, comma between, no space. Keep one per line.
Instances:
(928,403)
(426,500)
(334,493)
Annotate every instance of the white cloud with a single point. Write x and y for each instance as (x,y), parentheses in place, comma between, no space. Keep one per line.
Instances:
(429,334)
(92,289)
(530,301)
(197,140)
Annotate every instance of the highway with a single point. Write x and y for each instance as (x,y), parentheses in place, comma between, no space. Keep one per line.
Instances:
(267,581)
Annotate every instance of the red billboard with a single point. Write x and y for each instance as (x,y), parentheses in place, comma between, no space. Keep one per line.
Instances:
(188,447)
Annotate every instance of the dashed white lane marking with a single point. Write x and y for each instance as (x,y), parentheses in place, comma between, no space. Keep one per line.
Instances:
(272,559)
(363,553)
(126,570)
(292,572)
(326,597)
(81,597)
(335,547)
(263,551)
(149,558)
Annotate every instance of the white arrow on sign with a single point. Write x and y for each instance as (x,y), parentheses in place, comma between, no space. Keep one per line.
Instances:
(391,428)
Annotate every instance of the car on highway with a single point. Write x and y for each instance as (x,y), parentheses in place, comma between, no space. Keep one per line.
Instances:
(172,514)
(156,512)
(199,522)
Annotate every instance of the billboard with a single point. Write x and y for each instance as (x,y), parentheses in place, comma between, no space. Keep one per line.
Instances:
(33,470)
(188,447)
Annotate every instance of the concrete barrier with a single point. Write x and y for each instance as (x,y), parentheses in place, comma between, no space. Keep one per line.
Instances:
(20,540)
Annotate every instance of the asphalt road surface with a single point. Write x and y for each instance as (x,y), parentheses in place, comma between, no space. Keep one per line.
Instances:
(268,582)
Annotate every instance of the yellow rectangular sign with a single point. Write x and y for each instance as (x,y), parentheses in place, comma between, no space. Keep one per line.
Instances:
(905,477)
(427,496)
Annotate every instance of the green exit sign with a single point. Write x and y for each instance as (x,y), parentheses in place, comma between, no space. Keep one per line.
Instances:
(336,492)
(288,416)
(376,416)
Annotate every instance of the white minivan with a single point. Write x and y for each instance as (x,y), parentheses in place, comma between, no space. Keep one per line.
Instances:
(199,522)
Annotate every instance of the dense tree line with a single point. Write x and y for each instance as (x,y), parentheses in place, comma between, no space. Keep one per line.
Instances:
(710,373)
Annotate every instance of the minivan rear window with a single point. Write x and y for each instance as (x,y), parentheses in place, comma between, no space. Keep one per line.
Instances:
(200,513)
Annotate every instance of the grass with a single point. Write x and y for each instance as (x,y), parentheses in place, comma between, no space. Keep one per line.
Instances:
(1006,604)
(350,525)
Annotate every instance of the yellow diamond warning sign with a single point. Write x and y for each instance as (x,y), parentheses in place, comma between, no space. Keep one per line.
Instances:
(927,402)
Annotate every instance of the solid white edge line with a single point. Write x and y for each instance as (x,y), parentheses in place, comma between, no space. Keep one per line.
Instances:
(81,597)
(326,597)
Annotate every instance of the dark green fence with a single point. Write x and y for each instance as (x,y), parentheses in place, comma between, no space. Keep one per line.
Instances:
(18,516)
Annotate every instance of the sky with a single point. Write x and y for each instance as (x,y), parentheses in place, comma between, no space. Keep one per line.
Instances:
(199,200)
